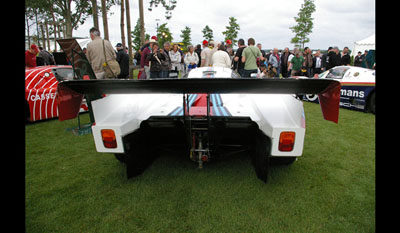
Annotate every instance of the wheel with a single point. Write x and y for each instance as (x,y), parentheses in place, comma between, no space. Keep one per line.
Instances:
(282,160)
(139,154)
(121,157)
(27,112)
(261,156)
(311,97)
(371,103)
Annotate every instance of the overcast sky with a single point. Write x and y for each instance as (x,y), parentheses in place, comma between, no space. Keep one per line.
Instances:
(336,23)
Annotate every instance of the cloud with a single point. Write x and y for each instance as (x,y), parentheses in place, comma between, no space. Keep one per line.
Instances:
(339,22)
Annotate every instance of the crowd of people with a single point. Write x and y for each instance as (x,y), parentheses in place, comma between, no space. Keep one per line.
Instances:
(170,61)
(167,62)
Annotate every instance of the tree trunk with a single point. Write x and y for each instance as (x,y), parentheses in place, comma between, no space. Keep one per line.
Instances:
(122,24)
(47,36)
(43,38)
(59,31)
(95,14)
(128,31)
(55,27)
(68,21)
(27,28)
(37,29)
(105,22)
(141,22)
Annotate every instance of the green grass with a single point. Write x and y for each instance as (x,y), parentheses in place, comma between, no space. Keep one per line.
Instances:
(72,188)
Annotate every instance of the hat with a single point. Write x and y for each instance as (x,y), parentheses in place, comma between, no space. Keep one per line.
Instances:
(154,38)
(119,45)
(205,42)
(228,42)
(35,48)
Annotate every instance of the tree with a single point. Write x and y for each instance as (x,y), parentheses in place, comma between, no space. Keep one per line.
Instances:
(122,25)
(95,14)
(105,21)
(304,24)
(232,30)
(136,38)
(163,35)
(72,18)
(186,36)
(207,33)
(128,29)
(169,7)
(141,16)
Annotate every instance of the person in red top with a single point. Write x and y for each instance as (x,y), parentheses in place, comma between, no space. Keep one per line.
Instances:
(30,56)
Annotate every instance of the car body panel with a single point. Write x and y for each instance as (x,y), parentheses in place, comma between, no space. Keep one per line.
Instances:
(41,91)
(357,86)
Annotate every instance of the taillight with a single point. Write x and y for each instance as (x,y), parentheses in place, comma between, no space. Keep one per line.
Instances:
(286,141)
(109,139)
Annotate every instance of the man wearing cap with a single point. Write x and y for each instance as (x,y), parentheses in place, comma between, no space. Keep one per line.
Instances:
(123,61)
(207,53)
(30,56)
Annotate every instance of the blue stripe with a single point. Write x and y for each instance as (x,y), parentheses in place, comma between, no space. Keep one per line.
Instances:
(223,111)
(179,110)
(174,111)
(218,108)
(215,105)
(219,99)
(217,113)
(194,96)
(227,111)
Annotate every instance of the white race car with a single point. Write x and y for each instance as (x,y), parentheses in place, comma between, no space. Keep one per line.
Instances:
(358,87)
(210,114)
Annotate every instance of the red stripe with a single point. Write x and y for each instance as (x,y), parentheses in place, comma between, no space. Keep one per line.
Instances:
(357,83)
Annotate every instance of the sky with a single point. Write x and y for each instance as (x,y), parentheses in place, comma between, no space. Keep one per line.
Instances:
(336,23)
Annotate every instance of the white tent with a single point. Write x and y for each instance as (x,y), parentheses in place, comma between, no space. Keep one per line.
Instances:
(362,45)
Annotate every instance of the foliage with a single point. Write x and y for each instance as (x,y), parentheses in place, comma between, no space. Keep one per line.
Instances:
(169,6)
(232,30)
(136,41)
(304,24)
(207,33)
(63,12)
(163,34)
(186,40)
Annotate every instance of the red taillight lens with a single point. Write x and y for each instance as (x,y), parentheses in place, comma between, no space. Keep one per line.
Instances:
(109,139)
(286,141)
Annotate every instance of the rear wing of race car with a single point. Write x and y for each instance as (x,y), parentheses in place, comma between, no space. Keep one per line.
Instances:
(70,93)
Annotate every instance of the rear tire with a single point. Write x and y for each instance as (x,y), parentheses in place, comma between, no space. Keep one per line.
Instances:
(121,157)
(261,156)
(282,160)
(371,103)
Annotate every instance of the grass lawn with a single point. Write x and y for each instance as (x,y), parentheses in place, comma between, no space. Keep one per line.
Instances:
(72,188)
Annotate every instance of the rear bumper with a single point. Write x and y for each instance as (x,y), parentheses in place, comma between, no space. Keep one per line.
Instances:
(174,130)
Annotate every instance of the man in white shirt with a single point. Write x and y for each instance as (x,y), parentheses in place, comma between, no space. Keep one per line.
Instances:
(317,63)
(207,53)
(289,62)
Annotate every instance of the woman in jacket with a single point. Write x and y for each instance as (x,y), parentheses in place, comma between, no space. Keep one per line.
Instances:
(156,58)
(191,59)
(175,57)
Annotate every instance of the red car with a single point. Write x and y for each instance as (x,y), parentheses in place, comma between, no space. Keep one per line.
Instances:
(41,89)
